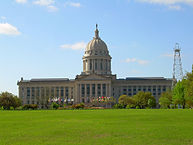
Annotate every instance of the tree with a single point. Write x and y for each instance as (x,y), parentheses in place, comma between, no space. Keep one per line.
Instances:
(166,99)
(8,100)
(142,98)
(188,91)
(123,100)
(178,93)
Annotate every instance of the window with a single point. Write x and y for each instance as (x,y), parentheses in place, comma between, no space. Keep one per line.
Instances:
(82,90)
(33,92)
(66,91)
(104,90)
(28,92)
(87,89)
(99,90)
(62,91)
(93,89)
(90,64)
(57,91)
(52,91)
(42,91)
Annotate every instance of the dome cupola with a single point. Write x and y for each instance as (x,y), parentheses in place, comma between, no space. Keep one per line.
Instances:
(96,58)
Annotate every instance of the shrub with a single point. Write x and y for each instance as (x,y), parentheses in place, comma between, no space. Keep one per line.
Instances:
(8,100)
(137,107)
(118,106)
(2,108)
(30,106)
(78,106)
(130,106)
(54,105)
(11,108)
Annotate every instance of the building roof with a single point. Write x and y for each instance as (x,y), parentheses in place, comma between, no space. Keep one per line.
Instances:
(146,78)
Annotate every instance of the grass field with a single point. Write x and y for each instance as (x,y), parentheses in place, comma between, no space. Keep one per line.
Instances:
(112,127)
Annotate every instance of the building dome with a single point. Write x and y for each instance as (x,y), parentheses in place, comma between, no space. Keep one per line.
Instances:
(96,47)
(96,44)
(96,58)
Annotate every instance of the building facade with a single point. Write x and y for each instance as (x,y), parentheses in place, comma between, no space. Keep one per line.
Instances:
(95,81)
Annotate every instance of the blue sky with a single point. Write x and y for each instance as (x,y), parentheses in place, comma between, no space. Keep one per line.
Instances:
(46,38)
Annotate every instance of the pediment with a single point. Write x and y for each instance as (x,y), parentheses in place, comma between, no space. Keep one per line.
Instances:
(94,77)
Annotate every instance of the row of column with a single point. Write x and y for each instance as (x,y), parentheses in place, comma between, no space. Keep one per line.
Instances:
(94,93)
(152,89)
(31,95)
(96,65)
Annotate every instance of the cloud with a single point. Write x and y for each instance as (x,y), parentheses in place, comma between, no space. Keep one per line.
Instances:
(135,60)
(171,4)
(48,4)
(52,8)
(44,2)
(167,55)
(21,1)
(8,29)
(133,71)
(75,46)
(175,7)
(168,2)
(72,4)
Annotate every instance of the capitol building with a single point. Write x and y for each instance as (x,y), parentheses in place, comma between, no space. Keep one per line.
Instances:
(95,81)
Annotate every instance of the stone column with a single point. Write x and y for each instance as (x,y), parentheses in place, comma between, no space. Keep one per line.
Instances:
(96,90)
(110,90)
(90,90)
(101,90)
(107,89)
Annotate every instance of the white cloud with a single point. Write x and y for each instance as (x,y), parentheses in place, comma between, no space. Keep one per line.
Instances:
(8,29)
(134,71)
(171,4)
(48,4)
(21,1)
(168,2)
(167,55)
(44,2)
(72,4)
(52,8)
(75,46)
(135,60)
(175,7)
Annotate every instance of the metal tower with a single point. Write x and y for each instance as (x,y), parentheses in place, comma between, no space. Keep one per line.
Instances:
(177,66)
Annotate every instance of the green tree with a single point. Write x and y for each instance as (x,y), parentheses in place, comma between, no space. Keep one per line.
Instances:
(141,100)
(178,93)
(8,100)
(166,99)
(188,91)
(123,100)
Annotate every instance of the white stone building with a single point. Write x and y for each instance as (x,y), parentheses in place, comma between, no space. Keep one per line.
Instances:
(95,81)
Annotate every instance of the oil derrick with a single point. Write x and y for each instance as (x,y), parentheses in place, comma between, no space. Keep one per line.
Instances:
(177,66)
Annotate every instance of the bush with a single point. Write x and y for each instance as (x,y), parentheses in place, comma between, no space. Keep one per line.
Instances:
(11,108)
(19,108)
(78,106)
(118,106)
(8,100)
(130,106)
(30,106)
(137,107)
(54,105)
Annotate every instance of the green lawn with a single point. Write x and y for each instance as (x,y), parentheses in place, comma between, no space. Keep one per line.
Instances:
(56,127)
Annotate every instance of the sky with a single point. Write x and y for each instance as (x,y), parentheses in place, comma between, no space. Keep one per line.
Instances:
(47,38)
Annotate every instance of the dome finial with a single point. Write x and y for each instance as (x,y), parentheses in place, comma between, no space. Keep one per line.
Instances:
(96,32)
